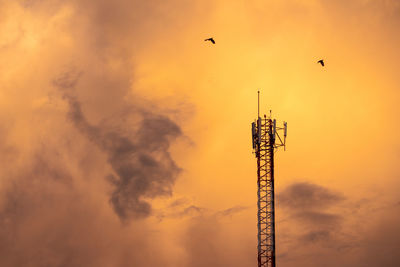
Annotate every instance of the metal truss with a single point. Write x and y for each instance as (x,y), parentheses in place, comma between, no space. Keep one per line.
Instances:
(265,135)
(265,193)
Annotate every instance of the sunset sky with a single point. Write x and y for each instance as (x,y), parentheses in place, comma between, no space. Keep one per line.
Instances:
(125,138)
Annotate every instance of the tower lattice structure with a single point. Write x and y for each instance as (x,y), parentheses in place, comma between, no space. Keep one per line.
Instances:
(265,141)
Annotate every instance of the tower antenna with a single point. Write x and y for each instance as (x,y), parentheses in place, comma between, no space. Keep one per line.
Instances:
(266,140)
(258,106)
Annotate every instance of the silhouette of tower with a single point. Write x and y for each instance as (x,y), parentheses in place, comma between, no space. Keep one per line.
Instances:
(266,140)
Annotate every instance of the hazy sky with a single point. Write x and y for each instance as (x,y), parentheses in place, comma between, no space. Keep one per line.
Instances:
(125,138)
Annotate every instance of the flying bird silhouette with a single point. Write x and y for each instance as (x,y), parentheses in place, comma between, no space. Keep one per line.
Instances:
(321,62)
(211,40)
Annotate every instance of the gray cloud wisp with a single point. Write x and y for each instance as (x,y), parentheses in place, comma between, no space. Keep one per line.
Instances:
(141,162)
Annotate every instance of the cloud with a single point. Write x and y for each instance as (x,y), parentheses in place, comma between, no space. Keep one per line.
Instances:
(313,209)
(184,208)
(202,243)
(66,183)
(179,212)
(316,236)
(382,240)
(83,150)
(142,165)
(308,196)
(321,225)
(318,219)
(178,202)
(231,211)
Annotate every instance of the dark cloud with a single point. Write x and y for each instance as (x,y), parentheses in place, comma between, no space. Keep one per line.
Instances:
(52,215)
(143,167)
(231,211)
(179,212)
(306,196)
(178,202)
(316,236)
(318,219)
(313,209)
(182,208)
(191,211)
(382,240)
(329,234)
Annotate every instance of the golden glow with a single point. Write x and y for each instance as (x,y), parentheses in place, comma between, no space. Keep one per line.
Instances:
(342,118)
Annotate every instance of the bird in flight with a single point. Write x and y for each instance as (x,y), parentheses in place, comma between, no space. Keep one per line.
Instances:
(211,40)
(321,62)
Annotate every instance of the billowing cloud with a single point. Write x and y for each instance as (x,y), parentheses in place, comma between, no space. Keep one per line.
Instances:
(142,164)
(84,150)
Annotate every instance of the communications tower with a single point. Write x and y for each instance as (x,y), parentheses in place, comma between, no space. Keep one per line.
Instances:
(266,140)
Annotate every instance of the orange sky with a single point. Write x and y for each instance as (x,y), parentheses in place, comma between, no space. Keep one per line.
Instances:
(108,109)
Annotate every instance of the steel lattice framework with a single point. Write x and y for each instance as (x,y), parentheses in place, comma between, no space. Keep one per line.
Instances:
(265,140)
(265,193)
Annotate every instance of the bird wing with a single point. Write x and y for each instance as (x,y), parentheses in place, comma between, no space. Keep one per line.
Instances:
(212,41)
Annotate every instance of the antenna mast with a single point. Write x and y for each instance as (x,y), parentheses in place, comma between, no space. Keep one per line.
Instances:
(266,140)
(258,106)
